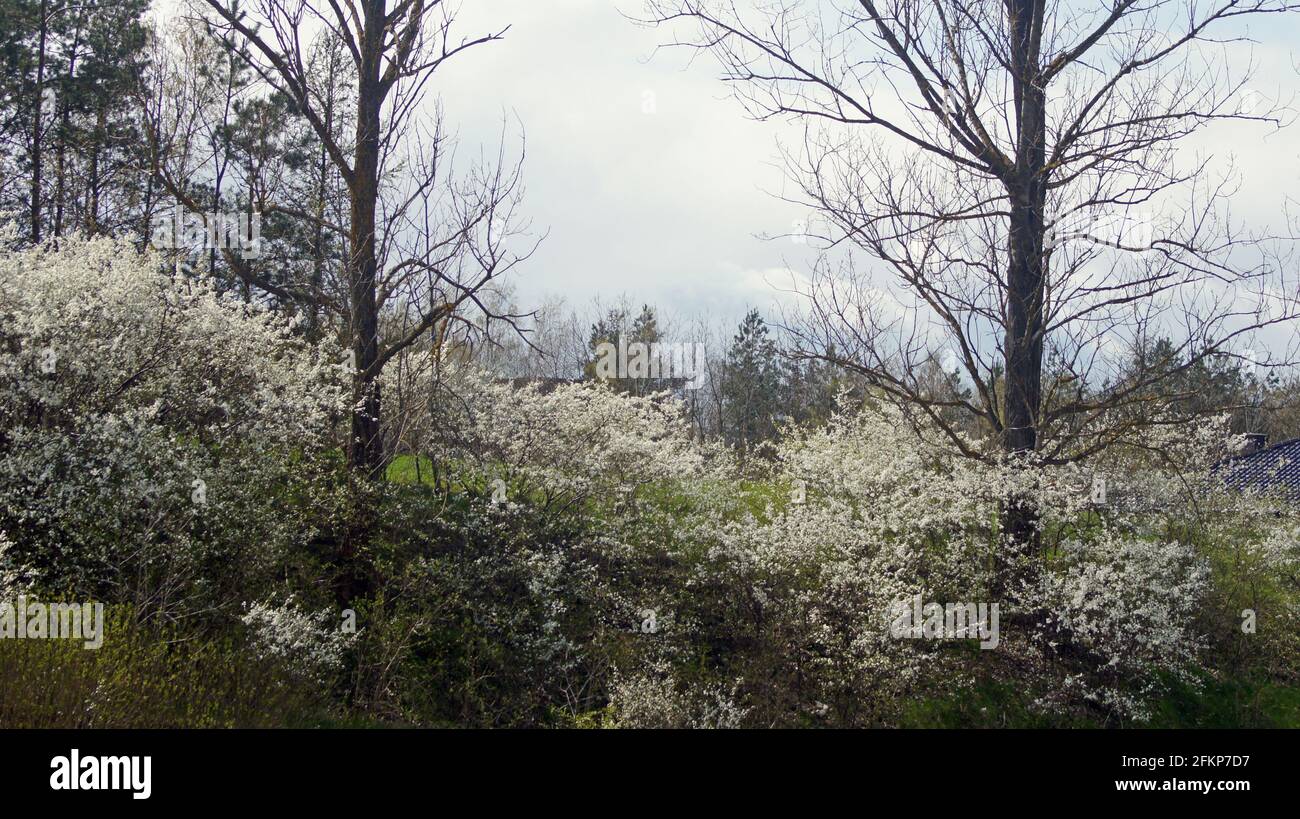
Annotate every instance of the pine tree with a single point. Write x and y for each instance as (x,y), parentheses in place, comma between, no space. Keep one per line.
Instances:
(753,385)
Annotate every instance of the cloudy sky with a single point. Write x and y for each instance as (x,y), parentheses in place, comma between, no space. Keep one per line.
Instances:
(650,179)
(652,183)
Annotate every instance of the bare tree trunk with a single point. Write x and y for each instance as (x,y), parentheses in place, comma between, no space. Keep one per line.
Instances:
(1024,336)
(365,446)
(390,48)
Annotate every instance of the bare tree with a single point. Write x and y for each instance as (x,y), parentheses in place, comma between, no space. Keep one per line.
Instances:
(1013,168)
(421,243)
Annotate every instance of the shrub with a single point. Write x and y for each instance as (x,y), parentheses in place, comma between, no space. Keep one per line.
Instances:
(160,444)
(150,676)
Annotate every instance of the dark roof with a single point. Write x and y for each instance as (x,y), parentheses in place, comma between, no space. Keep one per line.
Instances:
(1276,467)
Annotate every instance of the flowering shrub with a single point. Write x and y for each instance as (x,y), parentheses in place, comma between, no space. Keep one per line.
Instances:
(148,423)
(580,557)
(1119,610)
(13,575)
(490,616)
(311,645)
(1115,601)
(648,698)
(576,442)
(768,593)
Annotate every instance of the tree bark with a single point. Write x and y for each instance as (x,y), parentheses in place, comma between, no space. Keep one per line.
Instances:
(1024,338)
(365,445)
(365,453)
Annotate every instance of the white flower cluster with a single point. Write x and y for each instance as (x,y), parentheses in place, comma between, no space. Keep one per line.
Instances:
(310,644)
(144,418)
(571,443)
(649,698)
(14,577)
(1124,608)
(1113,595)
(95,328)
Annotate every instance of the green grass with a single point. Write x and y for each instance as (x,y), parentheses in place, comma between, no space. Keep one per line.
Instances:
(985,705)
(148,676)
(1229,704)
(403,469)
(1235,703)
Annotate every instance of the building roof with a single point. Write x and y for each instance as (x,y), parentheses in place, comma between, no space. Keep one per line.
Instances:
(1275,467)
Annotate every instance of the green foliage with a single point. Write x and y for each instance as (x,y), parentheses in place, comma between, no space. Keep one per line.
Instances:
(1206,703)
(149,676)
(1235,702)
(752,385)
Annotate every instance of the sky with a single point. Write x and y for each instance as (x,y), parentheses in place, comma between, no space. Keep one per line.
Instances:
(647,176)
(654,184)
(650,181)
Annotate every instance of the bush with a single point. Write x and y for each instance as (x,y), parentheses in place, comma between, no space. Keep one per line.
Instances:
(160,444)
(575,557)
(147,676)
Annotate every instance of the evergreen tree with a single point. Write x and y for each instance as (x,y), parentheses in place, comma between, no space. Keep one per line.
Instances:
(69,128)
(625,353)
(753,385)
